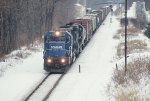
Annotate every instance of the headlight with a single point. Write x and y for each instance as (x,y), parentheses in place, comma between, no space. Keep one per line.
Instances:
(63,60)
(57,33)
(49,60)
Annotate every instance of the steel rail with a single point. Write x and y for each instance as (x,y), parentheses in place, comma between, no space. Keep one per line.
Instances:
(37,87)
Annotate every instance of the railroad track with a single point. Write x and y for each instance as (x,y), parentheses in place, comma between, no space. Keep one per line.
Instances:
(45,88)
(37,87)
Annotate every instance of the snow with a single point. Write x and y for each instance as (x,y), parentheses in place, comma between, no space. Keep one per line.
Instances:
(141,90)
(131,13)
(148,16)
(44,89)
(146,12)
(88,85)
(20,79)
(96,69)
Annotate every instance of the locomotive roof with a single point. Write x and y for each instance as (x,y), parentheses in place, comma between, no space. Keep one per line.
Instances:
(84,17)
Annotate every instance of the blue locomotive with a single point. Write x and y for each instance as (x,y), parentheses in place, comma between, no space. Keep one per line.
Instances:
(62,47)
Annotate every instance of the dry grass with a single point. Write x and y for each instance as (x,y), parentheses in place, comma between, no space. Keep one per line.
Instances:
(138,23)
(22,55)
(132,46)
(136,70)
(131,31)
(130,95)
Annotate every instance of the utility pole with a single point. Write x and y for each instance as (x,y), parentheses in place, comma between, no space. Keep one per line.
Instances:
(126,23)
(85,6)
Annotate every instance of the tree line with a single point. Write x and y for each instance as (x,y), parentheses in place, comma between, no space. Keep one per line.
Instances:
(147,3)
(23,21)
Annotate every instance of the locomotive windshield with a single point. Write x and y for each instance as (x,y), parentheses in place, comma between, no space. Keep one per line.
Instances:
(60,38)
(53,38)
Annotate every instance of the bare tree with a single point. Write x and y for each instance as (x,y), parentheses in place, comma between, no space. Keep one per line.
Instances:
(23,21)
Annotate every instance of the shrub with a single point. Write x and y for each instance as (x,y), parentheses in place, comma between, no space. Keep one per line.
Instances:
(135,71)
(147,31)
(131,31)
(129,95)
(132,46)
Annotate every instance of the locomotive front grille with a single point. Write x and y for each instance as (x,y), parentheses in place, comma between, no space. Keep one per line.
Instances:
(56,62)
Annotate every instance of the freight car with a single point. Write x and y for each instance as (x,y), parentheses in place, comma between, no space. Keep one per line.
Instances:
(100,15)
(95,21)
(86,22)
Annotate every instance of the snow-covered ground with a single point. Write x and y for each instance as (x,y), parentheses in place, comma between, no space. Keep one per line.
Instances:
(131,12)
(89,85)
(96,68)
(124,88)
(19,79)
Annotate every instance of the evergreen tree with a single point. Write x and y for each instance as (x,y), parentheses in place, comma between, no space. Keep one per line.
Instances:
(147,32)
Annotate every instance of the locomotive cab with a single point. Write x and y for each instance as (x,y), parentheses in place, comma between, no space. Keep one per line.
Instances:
(57,51)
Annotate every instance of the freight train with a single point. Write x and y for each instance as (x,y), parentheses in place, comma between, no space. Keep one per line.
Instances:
(63,46)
